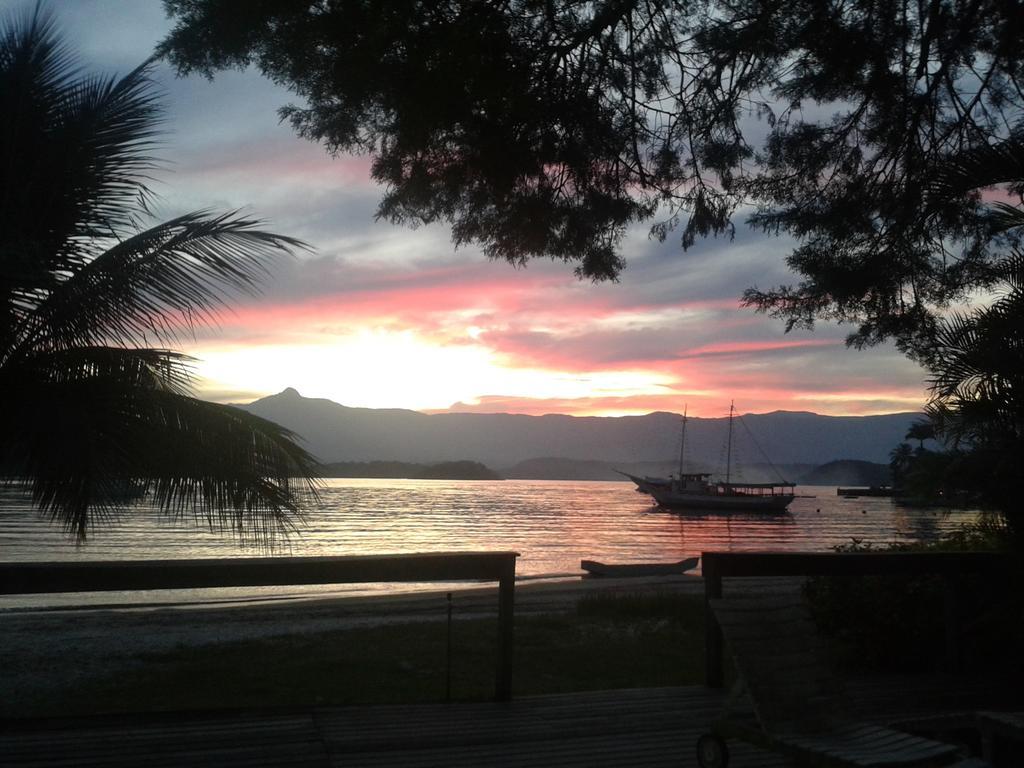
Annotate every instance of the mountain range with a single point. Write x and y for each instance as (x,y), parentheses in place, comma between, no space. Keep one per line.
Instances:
(337,433)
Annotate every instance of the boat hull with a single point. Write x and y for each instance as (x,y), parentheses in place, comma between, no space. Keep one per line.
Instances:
(723,502)
(646,484)
(595,568)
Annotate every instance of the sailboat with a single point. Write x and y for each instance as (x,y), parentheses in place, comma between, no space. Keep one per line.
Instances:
(647,483)
(696,490)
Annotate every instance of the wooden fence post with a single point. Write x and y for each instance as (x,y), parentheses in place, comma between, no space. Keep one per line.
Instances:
(714,675)
(506,630)
(951,588)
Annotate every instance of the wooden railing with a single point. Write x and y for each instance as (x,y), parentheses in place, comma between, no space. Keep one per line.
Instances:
(950,565)
(52,577)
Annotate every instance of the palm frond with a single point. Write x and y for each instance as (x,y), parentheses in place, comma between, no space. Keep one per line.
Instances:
(1011,271)
(76,149)
(84,442)
(977,369)
(142,368)
(76,161)
(242,473)
(91,420)
(982,166)
(35,64)
(155,283)
(1005,217)
(107,130)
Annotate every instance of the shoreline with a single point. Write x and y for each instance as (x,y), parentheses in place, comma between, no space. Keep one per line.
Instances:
(46,651)
(93,601)
(557,587)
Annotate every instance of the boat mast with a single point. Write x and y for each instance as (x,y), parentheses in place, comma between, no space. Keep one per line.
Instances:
(682,444)
(728,450)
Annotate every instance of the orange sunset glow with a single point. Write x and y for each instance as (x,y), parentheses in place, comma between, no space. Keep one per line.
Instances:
(486,339)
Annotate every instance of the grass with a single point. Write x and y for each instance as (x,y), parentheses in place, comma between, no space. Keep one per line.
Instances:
(611,641)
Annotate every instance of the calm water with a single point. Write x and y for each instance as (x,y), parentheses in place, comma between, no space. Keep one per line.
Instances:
(552,524)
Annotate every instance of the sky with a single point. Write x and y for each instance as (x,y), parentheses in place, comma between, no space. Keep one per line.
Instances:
(382,316)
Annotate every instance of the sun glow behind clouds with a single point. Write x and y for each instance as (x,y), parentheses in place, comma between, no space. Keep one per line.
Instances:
(387,369)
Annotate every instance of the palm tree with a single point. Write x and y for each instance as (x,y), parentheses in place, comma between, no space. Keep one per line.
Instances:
(900,460)
(977,362)
(978,390)
(920,431)
(92,413)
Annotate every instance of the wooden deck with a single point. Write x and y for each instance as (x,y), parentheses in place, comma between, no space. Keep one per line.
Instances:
(641,727)
(635,728)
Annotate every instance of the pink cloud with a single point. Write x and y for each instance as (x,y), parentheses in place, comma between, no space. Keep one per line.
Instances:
(410,299)
(511,318)
(710,350)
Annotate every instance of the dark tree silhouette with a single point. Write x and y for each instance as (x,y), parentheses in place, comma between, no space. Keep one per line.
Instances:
(900,459)
(977,403)
(548,127)
(92,415)
(921,431)
(977,360)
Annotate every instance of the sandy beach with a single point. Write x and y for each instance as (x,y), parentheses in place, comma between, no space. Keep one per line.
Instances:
(113,630)
(53,648)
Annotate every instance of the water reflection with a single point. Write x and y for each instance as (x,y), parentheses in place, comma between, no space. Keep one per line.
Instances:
(552,524)
(705,530)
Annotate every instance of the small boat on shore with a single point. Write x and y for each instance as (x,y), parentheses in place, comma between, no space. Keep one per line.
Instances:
(622,570)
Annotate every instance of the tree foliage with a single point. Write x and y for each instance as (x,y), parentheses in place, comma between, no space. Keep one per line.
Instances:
(977,379)
(976,361)
(93,416)
(546,128)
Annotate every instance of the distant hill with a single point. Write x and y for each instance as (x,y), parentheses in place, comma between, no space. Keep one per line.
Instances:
(550,468)
(446,470)
(844,472)
(849,472)
(554,468)
(336,433)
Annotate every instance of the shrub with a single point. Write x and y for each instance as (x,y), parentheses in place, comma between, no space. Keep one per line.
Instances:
(896,623)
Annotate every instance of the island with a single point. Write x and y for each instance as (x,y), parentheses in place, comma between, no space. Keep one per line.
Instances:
(445,470)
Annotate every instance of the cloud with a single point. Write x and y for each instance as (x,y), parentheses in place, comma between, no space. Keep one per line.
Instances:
(546,322)
(746,348)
